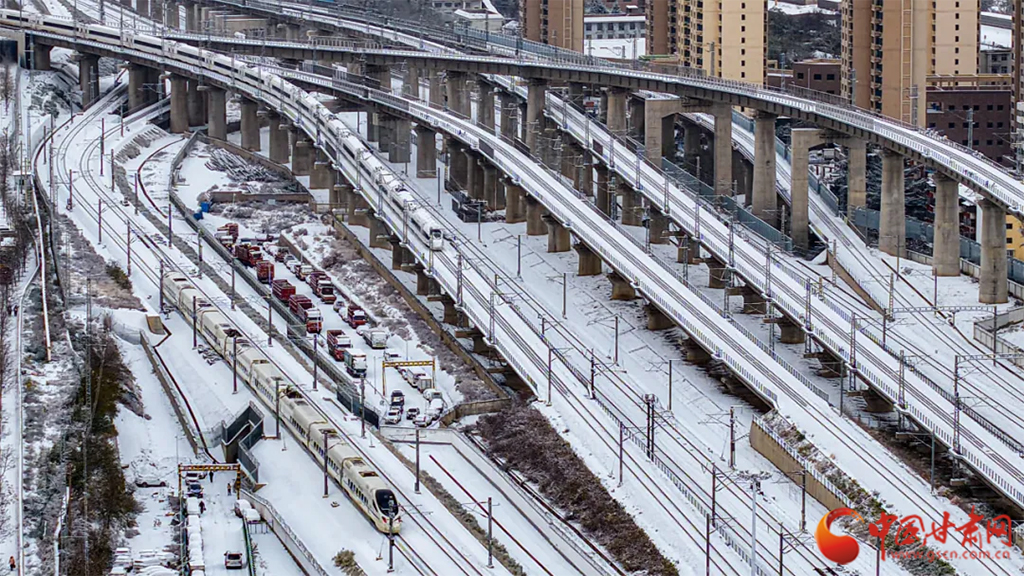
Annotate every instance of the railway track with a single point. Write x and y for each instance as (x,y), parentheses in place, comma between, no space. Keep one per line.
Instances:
(147,268)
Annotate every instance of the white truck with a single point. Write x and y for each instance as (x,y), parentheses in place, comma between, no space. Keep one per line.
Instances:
(355,362)
(418,377)
(376,338)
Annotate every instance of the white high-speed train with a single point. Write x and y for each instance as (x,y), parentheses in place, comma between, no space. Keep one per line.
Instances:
(299,106)
(370,493)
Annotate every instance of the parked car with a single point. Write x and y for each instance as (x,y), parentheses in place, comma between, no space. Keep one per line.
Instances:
(398,398)
(394,415)
(194,489)
(412,413)
(234,560)
(149,481)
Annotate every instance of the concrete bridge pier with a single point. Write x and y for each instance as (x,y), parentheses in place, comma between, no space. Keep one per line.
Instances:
(191,16)
(765,198)
(217,124)
(946,247)
(688,251)
(411,84)
(426,152)
(490,185)
(635,117)
(589,263)
(586,172)
(509,116)
(379,236)
(197,114)
(656,319)
(803,139)
(485,107)
(515,203)
(250,125)
(857,175)
(458,93)
(357,211)
(321,177)
(559,239)
(400,151)
(622,289)
(616,110)
(474,175)
(535,217)
(657,225)
(435,91)
(138,92)
(40,56)
(89,78)
(279,147)
(659,129)
(302,153)
(458,171)
(992,289)
(892,230)
(602,199)
(723,148)
(339,193)
(632,208)
(534,127)
(179,104)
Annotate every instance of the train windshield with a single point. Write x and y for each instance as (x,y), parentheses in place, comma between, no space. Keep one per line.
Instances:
(436,234)
(386,503)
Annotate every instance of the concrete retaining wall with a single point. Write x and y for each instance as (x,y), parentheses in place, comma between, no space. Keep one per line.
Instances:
(773,448)
(172,395)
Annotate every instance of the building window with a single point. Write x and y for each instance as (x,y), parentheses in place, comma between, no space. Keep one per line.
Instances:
(799,75)
(817,76)
(989,107)
(831,77)
(988,142)
(952,124)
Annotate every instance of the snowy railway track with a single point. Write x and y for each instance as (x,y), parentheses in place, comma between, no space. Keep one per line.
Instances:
(459,560)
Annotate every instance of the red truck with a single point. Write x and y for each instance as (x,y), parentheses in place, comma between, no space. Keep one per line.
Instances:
(265,271)
(227,234)
(283,290)
(337,341)
(303,308)
(322,286)
(355,316)
(248,254)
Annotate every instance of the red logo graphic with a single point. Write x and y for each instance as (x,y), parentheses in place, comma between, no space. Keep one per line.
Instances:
(839,549)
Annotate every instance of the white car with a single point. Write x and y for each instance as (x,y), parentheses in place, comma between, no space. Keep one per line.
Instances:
(421,421)
(394,416)
(234,559)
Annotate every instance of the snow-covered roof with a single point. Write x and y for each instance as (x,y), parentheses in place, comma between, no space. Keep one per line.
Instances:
(598,18)
(993,36)
(795,8)
(478,15)
(615,48)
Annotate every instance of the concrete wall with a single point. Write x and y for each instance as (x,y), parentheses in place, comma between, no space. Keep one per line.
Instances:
(191,434)
(770,446)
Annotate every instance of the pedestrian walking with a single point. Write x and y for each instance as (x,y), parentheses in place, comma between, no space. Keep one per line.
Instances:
(202,507)
(13,565)
(229,488)
(211,476)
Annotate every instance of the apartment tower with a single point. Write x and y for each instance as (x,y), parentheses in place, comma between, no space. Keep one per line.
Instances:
(725,38)
(555,22)
(890,48)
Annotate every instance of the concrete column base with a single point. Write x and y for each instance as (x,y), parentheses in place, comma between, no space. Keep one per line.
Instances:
(217,122)
(280,150)
(656,319)
(717,275)
(250,126)
(490,186)
(688,251)
(622,289)
(790,333)
(321,177)
(753,303)
(601,197)
(695,353)
(197,113)
(946,248)
(179,105)
(426,153)
(357,210)
(338,196)
(379,234)
(892,229)
(515,204)
(422,283)
(632,210)
(302,155)
(589,264)
(658,224)
(535,217)
(992,287)
(400,150)
(400,255)
(559,239)
(451,313)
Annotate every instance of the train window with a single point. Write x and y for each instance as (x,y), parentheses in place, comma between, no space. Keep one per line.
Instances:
(386,502)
